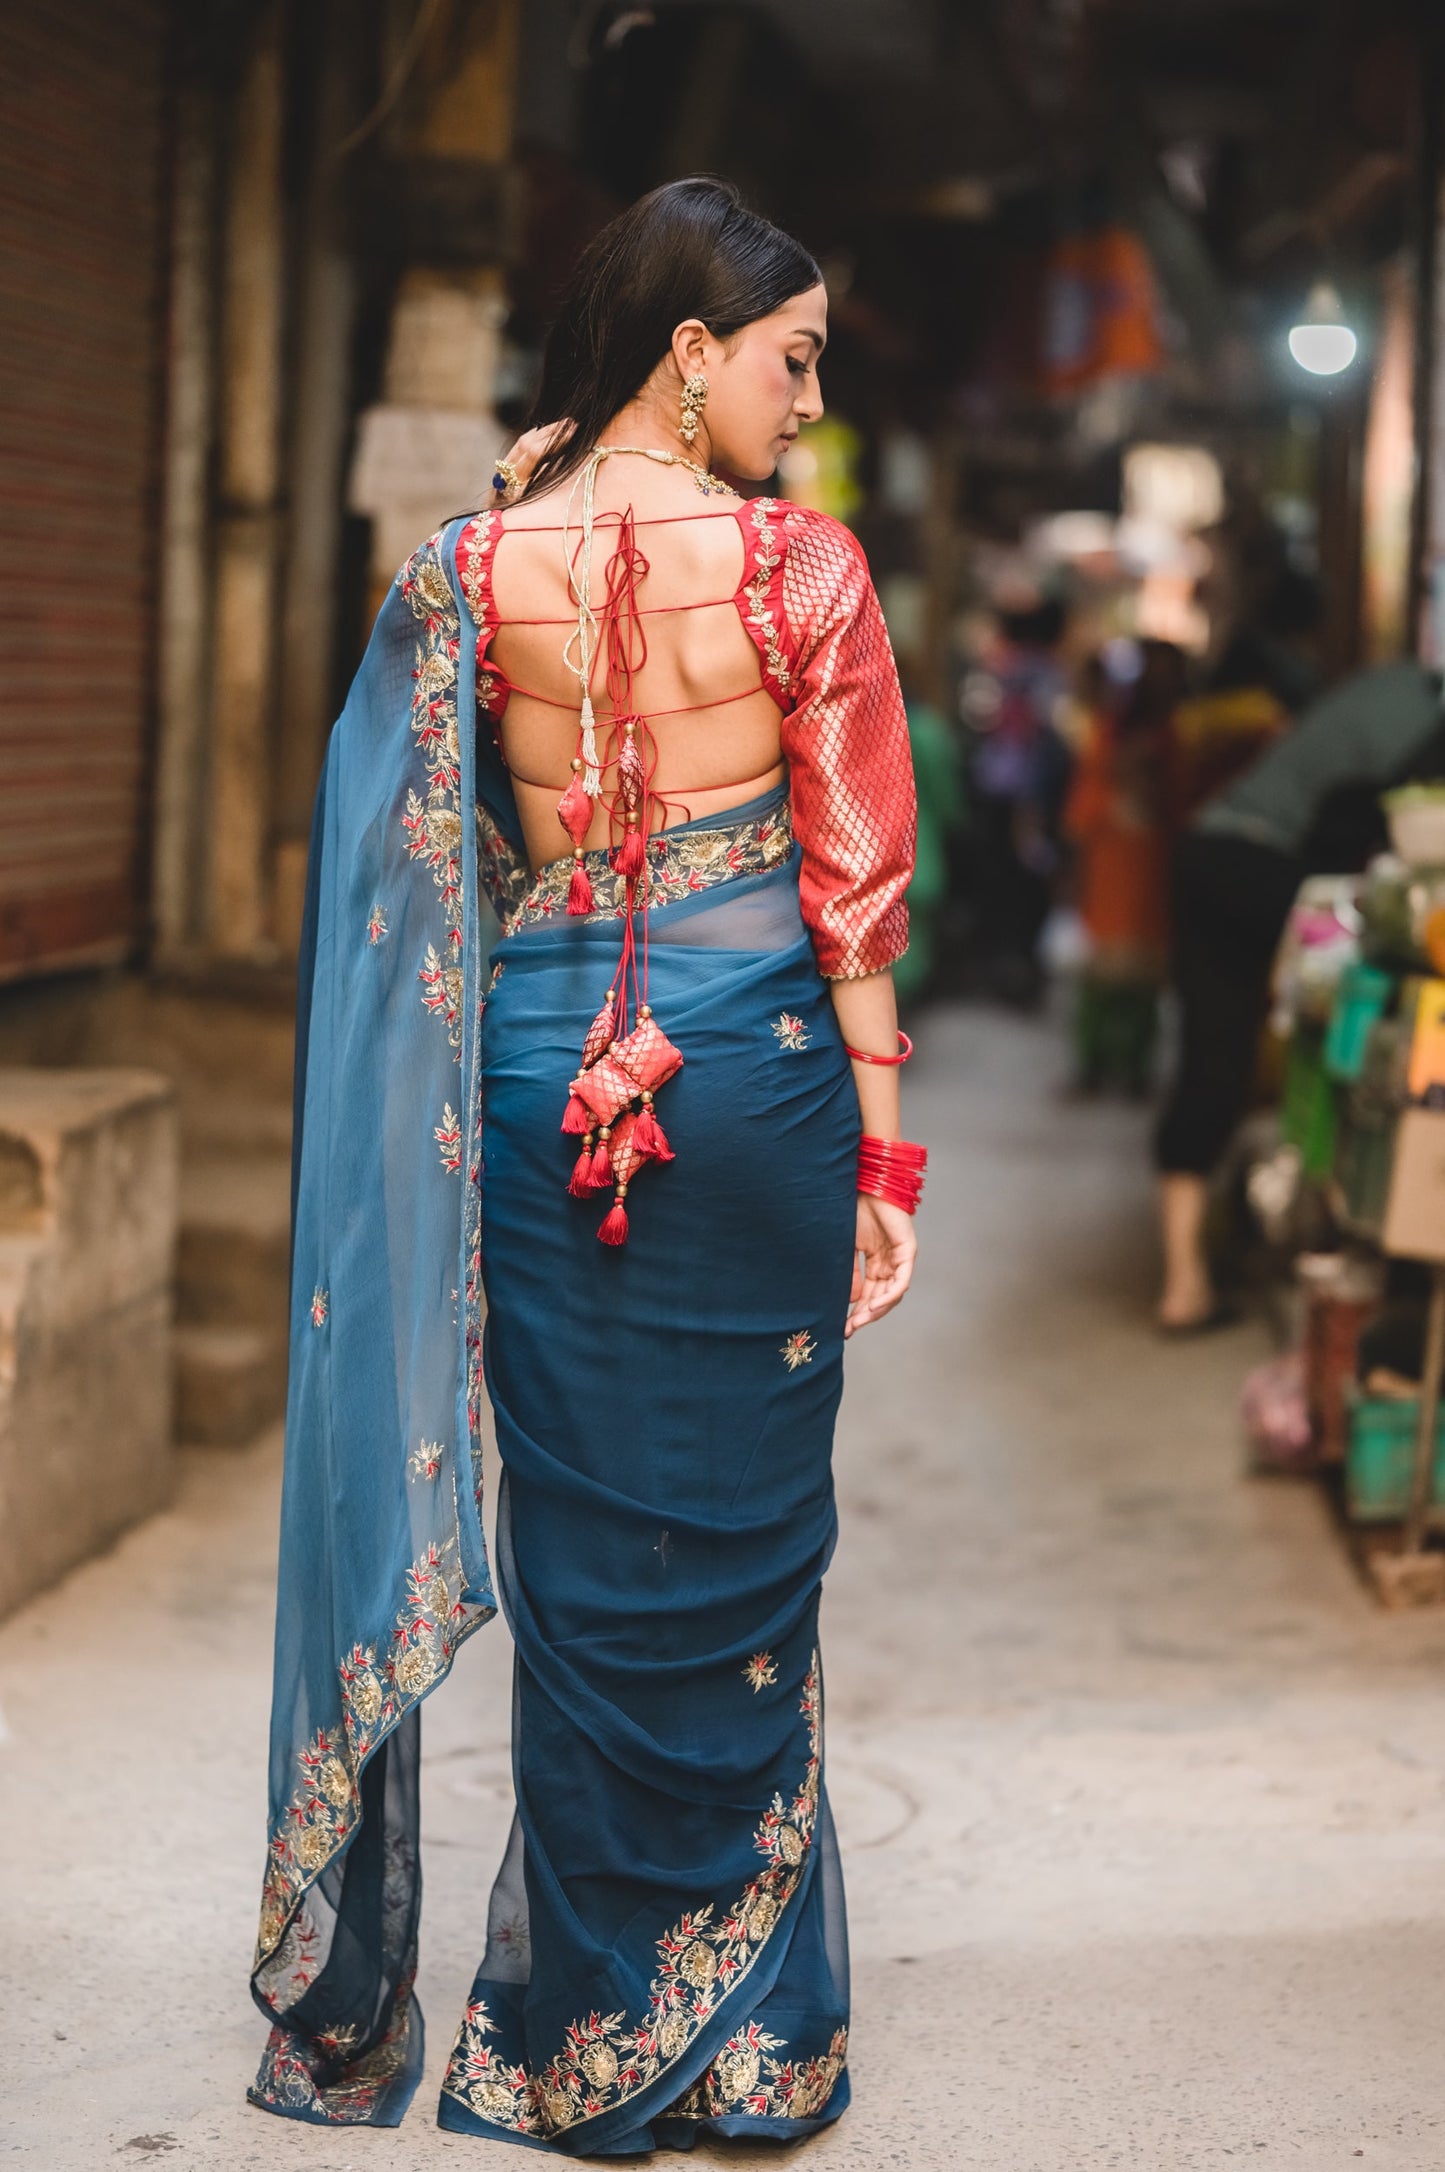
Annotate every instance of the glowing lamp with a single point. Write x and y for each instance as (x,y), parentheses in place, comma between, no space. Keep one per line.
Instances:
(1322,342)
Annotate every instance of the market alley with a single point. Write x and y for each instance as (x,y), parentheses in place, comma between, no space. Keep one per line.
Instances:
(1142,1802)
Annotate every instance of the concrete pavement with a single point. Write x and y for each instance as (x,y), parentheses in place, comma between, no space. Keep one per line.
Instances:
(1142,1803)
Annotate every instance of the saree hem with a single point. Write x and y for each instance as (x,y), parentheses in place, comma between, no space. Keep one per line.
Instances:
(487,1611)
(343,2085)
(379,2098)
(755,1978)
(603,2133)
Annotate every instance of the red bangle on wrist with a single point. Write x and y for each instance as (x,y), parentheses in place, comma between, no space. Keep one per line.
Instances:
(861,1055)
(892,1169)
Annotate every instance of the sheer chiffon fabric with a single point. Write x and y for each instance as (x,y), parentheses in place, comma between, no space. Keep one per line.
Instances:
(665,1949)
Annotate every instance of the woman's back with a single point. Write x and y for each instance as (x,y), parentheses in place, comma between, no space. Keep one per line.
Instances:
(695,668)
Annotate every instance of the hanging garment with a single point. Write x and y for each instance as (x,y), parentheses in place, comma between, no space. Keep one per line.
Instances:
(665,1949)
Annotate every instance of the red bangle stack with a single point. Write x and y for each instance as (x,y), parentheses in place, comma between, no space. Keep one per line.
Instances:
(892,1169)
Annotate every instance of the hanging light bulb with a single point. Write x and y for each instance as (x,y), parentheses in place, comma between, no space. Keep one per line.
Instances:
(1322,342)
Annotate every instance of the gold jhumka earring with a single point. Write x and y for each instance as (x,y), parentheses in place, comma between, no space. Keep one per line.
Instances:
(694,399)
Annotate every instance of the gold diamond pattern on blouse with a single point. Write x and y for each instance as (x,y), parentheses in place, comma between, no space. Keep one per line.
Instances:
(854,808)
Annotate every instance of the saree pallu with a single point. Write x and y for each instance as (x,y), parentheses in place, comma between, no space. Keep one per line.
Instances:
(666,1948)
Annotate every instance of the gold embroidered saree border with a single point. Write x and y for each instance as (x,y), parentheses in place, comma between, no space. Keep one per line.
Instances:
(606,2059)
(680,863)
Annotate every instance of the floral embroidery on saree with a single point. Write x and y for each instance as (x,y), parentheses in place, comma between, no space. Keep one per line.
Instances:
(433,823)
(681,862)
(426,1460)
(434,834)
(761,1671)
(286,2082)
(798,1350)
(791,1033)
(323,1809)
(745,2079)
(448,1136)
(606,2058)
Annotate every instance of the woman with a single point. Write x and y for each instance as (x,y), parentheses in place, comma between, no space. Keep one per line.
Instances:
(1115,817)
(666,678)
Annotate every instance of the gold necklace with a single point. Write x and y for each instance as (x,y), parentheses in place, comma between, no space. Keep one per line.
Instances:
(706,482)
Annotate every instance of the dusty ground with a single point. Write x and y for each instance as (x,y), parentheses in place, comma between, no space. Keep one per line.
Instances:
(1143,1805)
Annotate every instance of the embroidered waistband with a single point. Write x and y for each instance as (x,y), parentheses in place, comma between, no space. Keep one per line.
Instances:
(694,856)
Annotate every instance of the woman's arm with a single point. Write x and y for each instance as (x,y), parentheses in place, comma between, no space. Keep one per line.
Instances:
(854,812)
(886,1245)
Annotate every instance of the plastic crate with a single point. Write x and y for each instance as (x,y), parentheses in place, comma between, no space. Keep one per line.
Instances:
(1380,1457)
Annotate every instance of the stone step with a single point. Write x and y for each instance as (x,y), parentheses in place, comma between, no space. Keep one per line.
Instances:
(230,1382)
(235,1236)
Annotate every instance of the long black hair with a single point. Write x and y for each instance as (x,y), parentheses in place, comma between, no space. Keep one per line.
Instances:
(689,249)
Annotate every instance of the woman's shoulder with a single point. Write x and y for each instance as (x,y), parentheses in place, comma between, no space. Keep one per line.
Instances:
(824,571)
(819,532)
(422,580)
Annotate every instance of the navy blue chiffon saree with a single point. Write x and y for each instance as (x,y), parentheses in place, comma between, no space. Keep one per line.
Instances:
(665,1948)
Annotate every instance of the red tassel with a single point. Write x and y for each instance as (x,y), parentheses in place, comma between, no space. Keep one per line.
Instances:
(602,1032)
(578,1117)
(614,1223)
(580,1182)
(631,858)
(650,1139)
(579,890)
(601,1167)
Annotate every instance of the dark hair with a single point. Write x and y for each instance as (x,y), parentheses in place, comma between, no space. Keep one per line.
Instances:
(689,249)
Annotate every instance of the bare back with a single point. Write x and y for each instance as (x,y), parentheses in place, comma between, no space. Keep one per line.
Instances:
(715,728)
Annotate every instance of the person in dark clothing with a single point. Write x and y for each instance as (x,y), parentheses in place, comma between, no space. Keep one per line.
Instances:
(1309,804)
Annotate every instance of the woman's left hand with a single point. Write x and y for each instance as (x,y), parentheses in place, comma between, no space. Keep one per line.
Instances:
(529,448)
(886,1247)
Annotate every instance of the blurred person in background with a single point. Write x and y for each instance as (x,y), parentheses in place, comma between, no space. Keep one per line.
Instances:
(1116,819)
(1018,778)
(938,772)
(1258,672)
(1308,805)
(670,1901)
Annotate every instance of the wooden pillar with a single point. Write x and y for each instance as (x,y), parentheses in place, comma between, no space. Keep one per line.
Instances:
(248,523)
(319,428)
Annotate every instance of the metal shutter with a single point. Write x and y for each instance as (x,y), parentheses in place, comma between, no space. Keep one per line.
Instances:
(82,96)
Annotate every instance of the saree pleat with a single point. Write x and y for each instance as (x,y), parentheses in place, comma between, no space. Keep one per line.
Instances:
(664,1419)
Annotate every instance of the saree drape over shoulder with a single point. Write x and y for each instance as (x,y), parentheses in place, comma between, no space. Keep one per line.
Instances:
(665,1947)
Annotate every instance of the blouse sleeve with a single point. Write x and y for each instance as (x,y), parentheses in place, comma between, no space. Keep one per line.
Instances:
(846,743)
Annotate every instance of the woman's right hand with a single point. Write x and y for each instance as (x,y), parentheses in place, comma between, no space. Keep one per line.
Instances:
(529,448)
(885,1249)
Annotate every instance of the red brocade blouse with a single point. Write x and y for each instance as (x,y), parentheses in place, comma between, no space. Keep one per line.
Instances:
(808,604)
